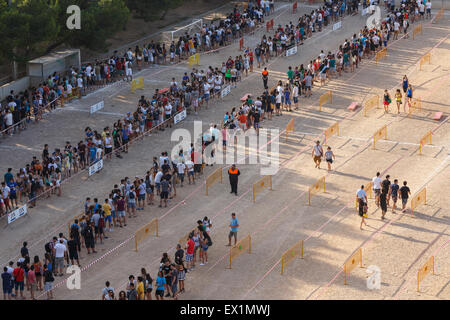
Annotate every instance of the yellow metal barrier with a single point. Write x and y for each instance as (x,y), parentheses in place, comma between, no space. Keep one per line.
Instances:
(351,263)
(137,83)
(328,96)
(145,231)
(379,134)
(422,273)
(417,30)
(415,107)
(424,59)
(439,15)
(426,139)
(261,184)
(331,131)
(315,188)
(213,178)
(295,251)
(240,247)
(380,55)
(290,127)
(418,199)
(371,103)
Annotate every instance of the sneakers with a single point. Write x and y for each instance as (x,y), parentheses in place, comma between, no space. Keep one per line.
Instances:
(202,264)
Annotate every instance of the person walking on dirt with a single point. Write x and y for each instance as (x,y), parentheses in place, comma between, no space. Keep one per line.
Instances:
(317,154)
(234,226)
(361,198)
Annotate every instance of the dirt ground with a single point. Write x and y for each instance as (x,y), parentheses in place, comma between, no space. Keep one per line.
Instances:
(329,227)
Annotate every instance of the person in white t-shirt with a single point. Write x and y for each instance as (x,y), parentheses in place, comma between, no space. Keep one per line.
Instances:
(396,29)
(428,6)
(376,181)
(190,171)
(60,251)
(128,71)
(181,168)
(317,154)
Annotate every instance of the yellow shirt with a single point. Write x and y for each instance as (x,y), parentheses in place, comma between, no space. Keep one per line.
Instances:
(107,209)
(140,290)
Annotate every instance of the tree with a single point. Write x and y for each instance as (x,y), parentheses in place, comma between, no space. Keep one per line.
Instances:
(152,9)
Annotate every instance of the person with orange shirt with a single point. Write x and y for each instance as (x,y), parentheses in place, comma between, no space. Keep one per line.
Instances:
(234,173)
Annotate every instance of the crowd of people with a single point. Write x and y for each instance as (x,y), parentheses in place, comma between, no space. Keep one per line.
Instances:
(21,108)
(131,195)
(384,191)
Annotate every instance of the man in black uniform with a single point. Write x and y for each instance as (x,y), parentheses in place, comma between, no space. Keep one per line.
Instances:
(234,173)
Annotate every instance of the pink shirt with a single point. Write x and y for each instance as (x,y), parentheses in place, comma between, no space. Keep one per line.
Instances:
(31,276)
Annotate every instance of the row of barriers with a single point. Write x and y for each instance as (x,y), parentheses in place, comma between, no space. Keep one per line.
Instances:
(355,259)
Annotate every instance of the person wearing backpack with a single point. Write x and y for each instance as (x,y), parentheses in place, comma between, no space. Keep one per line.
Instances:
(131,201)
(88,234)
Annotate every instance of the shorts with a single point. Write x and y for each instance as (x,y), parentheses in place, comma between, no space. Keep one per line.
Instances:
(308,88)
(197,168)
(204,249)
(48,286)
(317,158)
(7,290)
(377,192)
(59,263)
(330,161)
(224,143)
(233,234)
(206,97)
(73,255)
(108,150)
(89,243)
(404,201)
(164,195)
(256,124)
(160,293)
(132,205)
(158,185)
(189,257)
(149,190)
(121,214)
(175,287)
(181,175)
(108,218)
(18,285)
(394,198)
(141,197)
(295,99)
(13,196)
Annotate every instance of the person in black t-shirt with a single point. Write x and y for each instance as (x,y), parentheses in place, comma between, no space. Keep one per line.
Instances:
(72,244)
(404,192)
(386,188)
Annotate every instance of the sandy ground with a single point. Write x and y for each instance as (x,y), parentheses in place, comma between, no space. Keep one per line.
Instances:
(279,218)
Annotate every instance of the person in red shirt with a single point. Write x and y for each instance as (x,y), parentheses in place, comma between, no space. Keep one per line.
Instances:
(242,120)
(19,275)
(190,244)
(250,54)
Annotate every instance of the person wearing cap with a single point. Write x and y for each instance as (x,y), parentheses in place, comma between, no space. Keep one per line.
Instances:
(234,173)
